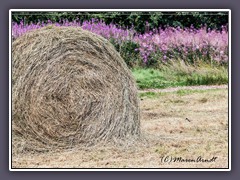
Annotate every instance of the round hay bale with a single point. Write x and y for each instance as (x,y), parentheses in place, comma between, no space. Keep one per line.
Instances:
(70,87)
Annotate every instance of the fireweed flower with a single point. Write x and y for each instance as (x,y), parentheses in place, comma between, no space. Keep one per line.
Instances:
(171,42)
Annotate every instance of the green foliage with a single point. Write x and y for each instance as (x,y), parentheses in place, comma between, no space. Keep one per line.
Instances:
(127,50)
(35,17)
(213,20)
(153,78)
(176,74)
(207,79)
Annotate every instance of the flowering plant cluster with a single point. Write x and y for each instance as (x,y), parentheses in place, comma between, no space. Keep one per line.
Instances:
(157,45)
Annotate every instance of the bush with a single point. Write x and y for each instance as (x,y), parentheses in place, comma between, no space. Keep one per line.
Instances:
(128,51)
(212,20)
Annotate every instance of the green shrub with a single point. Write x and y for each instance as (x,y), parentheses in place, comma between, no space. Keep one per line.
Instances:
(213,20)
(127,50)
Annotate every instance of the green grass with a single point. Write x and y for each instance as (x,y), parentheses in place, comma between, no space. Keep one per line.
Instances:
(180,74)
(152,78)
(182,92)
(152,95)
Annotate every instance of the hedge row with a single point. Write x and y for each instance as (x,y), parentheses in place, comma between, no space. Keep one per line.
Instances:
(142,21)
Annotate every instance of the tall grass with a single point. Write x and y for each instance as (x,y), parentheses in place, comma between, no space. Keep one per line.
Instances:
(180,73)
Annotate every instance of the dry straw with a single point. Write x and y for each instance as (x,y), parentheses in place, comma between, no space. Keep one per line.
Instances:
(70,87)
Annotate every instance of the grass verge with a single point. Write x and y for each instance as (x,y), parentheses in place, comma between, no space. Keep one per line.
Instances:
(178,73)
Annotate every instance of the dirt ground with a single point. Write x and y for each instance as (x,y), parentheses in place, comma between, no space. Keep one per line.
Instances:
(190,128)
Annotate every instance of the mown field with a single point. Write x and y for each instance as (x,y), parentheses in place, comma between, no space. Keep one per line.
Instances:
(178,121)
(180,124)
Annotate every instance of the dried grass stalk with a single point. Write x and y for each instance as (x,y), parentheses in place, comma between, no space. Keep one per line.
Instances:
(70,87)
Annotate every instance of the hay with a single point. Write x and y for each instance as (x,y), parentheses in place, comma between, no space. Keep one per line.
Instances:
(70,87)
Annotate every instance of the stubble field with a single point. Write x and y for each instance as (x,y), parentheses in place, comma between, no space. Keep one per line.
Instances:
(183,124)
